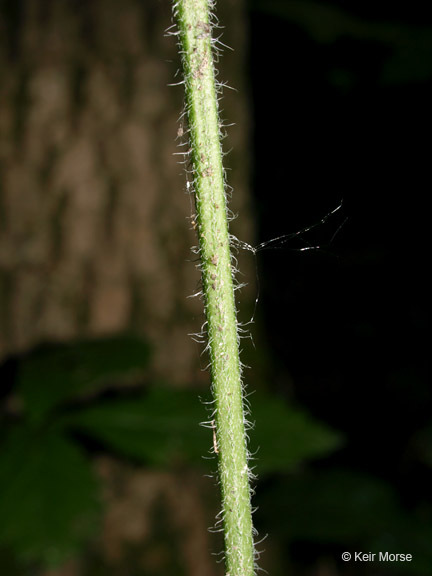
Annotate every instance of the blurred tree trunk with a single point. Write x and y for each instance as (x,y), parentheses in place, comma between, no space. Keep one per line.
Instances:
(94,216)
(93,212)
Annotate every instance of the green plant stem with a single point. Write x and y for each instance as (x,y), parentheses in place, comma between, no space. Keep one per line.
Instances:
(217,279)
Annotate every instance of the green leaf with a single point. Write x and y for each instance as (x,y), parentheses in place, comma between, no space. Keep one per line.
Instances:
(163,425)
(48,498)
(411,532)
(156,428)
(351,510)
(52,375)
(336,506)
(287,436)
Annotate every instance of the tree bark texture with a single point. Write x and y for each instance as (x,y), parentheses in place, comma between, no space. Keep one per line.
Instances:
(94,234)
(96,227)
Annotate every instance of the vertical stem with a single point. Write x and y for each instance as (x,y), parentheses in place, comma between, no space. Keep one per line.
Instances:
(217,278)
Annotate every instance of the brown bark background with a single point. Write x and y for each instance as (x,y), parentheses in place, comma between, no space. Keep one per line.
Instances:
(95,229)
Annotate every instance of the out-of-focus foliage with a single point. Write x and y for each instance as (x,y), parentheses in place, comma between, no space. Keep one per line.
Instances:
(351,511)
(333,506)
(287,436)
(408,47)
(161,426)
(50,377)
(157,428)
(48,494)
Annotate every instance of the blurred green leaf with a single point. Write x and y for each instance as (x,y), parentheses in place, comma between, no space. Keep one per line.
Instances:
(48,499)
(48,494)
(155,428)
(287,436)
(163,425)
(348,509)
(51,375)
(338,506)
(411,532)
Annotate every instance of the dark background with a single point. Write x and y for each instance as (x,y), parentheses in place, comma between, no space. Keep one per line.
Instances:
(103,467)
(341,96)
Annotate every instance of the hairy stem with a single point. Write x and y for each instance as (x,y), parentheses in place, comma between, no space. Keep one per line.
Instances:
(217,278)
